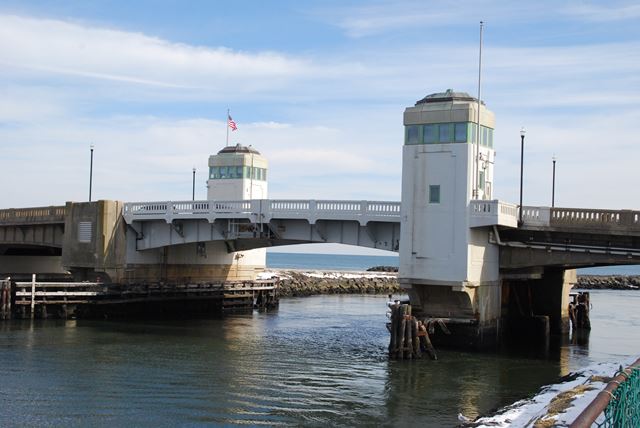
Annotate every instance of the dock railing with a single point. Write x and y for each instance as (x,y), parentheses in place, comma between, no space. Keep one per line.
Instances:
(617,405)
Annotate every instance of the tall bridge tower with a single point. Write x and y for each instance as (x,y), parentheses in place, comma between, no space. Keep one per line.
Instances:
(450,269)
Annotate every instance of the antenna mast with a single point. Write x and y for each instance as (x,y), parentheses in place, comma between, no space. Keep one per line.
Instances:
(476,190)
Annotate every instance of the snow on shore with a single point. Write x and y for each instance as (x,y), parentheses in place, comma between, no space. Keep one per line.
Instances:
(558,404)
(285,273)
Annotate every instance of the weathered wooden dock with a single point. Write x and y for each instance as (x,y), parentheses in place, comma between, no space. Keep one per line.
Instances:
(39,299)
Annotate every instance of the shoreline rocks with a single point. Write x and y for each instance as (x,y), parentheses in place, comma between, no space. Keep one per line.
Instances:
(297,283)
(608,282)
(307,283)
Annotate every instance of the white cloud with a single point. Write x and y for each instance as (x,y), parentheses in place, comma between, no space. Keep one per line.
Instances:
(599,13)
(576,101)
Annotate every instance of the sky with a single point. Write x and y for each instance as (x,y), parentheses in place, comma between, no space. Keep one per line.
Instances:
(318,88)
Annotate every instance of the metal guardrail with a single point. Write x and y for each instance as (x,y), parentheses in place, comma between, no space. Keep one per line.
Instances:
(37,215)
(263,210)
(617,405)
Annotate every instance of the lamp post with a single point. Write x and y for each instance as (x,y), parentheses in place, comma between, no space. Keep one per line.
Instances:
(522,132)
(553,184)
(90,172)
(193,189)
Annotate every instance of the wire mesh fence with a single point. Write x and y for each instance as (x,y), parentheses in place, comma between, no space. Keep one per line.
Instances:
(617,405)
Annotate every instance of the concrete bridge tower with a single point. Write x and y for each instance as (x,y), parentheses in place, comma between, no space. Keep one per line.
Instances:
(236,173)
(239,173)
(449,269)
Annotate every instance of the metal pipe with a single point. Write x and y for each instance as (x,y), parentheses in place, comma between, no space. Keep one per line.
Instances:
(521,170)
(553,184)
(600,403)
(193,188)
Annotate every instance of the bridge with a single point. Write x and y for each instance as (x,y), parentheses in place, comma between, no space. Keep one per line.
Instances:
(561,237)
(483,265)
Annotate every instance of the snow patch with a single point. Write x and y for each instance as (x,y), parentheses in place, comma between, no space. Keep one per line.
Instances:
(525,413)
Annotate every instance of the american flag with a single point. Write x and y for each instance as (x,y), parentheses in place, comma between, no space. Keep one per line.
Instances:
(231,123)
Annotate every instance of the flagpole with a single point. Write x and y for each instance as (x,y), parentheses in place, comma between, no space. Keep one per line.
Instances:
(226,121)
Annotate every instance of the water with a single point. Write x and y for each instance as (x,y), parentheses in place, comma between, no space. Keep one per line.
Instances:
(360,263)
(316,361)
(328,261)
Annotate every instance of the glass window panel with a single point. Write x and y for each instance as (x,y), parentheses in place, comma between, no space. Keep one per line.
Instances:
(430,133)
(264,174)
(413,134)
(485,137)
(434,194)
(223,172)
(461,133)
(238,172)
(490,137)
(474,133)
(445,133)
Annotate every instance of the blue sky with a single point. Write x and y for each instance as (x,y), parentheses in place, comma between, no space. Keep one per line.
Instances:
(318,87)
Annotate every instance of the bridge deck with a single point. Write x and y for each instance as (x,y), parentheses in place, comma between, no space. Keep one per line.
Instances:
(27,216)
(264,210)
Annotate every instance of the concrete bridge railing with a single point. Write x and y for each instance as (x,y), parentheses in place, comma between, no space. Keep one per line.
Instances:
(580,218)
(264,210)
(494,212)
(37,215)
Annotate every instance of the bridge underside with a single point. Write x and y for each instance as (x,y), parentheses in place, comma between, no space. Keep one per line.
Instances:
(32,235)
(566,249)
(241,235)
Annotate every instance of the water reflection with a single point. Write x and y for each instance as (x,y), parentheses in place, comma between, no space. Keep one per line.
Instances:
(316,361)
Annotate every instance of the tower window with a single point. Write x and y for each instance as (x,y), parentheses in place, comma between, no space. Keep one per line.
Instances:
(445,133)
(434,194)
(430,133)
(412,136)
(460,132)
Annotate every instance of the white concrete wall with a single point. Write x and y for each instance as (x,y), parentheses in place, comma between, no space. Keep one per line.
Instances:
(437,246)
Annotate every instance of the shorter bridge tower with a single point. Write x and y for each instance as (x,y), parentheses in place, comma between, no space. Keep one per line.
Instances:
(236,173)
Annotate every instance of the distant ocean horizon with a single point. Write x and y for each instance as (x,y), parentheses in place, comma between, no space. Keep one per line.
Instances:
(352,262)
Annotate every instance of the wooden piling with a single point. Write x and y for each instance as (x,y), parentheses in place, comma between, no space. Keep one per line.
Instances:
(409,337)
(402,326)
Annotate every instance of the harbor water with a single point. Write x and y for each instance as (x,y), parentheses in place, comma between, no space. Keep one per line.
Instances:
(315,361)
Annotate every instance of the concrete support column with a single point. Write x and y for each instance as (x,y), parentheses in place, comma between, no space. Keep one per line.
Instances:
(547,295)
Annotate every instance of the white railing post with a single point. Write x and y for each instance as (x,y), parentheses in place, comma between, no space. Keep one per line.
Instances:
(33,294)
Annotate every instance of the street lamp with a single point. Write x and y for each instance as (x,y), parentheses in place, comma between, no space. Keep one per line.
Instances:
(193,191)
(90,172)
(553,184)
(522,132)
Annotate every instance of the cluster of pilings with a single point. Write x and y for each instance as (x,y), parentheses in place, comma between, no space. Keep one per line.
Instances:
(579,311)
(409,336)
(5,299)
